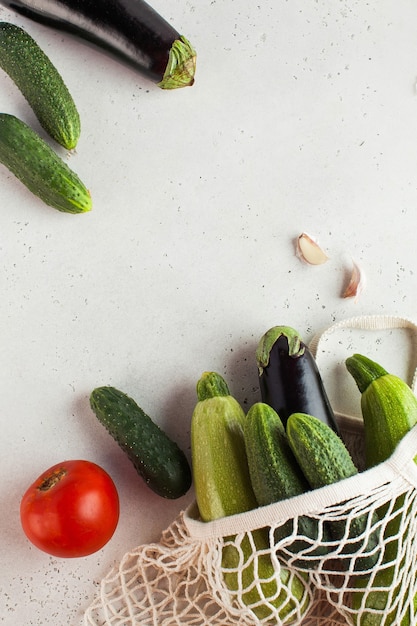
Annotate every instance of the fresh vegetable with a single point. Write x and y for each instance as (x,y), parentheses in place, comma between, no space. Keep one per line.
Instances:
(274,471)
(157,458)
(324,460)
(222,487)
(289,378)
(39,168)
(129,30)
(40,83)
(275,475)
(220,470)
(389,410)
(71,510)
(320,452)
(389,407)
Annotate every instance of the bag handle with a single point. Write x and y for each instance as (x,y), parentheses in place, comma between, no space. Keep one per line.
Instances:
(366,322)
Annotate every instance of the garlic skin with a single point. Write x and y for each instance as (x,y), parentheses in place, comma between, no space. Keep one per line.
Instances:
(356,284)
(309,251)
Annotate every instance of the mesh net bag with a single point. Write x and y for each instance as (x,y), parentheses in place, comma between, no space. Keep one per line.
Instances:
(277,564)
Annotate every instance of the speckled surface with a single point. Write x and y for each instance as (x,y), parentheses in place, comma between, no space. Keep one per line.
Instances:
(303,117)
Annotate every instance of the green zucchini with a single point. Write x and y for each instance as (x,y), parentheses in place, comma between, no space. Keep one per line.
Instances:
(389,407)
(40,83)
(389,411)
(324,460)
(222,487)
(276,475)
(156,457)
(39,168)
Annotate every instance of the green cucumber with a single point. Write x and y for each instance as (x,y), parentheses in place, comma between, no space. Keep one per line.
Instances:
(275,475)
(157,458)
(40,83)
(324,460)
(389,411)
(222,487)
(274,472)
(39,168)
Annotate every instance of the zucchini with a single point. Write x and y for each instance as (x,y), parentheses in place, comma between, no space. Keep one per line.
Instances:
(289,378)
(39,168)
(389,407)
(389,411)
(324,460)
(129,30)
(40,83)
(157,459)
(275,475)
(222,487)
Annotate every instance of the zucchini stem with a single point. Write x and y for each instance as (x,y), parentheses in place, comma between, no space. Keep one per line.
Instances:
(364,370)
(211,385)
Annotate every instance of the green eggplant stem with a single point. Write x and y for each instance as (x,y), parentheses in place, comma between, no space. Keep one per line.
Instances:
(181,65)
(364,370)
(295,345)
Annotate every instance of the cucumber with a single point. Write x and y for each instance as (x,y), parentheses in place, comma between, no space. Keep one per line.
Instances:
(222,487)
(157,459)
(275,475)
(274,472)
(324,460)
(40,83)
(39,168)
(389,411)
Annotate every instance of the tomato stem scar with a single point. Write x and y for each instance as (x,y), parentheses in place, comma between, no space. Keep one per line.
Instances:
(52,480)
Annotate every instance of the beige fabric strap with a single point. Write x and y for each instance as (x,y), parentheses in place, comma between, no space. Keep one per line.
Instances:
(400,463)
(366,322)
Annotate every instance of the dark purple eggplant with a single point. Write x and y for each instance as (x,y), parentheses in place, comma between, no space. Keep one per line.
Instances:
(289,378)
(129,30)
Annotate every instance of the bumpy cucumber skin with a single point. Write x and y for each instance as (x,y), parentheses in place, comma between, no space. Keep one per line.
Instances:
(276,475)
(320,452)
(40,83)
(274,472)
(324,460)
(39,168)
(156,457)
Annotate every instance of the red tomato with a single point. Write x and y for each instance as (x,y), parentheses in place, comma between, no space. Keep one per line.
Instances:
(71,510)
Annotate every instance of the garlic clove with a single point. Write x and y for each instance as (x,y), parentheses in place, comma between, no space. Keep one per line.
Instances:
(309,250)
(356,283)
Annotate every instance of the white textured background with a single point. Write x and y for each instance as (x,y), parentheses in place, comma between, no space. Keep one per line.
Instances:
(303,117)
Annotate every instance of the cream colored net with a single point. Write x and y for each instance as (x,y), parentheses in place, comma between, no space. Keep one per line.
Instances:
(367,577)
(277,564)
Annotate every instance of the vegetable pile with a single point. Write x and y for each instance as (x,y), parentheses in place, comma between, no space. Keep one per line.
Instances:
(241,461)
(287,444)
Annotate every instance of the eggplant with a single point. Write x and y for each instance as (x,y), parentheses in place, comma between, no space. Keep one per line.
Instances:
(129,30)
(289,379)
